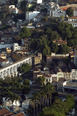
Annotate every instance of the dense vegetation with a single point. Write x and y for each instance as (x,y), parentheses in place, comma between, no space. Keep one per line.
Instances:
(42,98)
(47,101)
(12,87)
(54,30)
(59,108)
(24,68)
(45,39)
(69,12)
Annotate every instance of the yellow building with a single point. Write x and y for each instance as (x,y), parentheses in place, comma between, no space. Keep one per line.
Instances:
(2,56)
(8,50)
(38,59)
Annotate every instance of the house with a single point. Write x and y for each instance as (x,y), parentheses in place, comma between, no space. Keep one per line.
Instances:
(9,103)
(22,52)
(7,38)
(16,47)
(13,9)
(20,114)
(4,62)
(48,78)
(74,74)
(67,75)
(37,59)
(6,112)
(60,42)
(31,15)
(25,44)
(3,56)
(72,21)
(8,50)
(57,12)
(39,1)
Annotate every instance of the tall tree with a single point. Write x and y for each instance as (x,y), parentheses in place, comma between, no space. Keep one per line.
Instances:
(69,12)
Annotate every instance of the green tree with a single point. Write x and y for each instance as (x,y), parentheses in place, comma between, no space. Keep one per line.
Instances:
(64,49)
(69,12)
(23,6)
(26,82)
(46,50)
(24,68)
(25,33)
(54,48)
(41,80)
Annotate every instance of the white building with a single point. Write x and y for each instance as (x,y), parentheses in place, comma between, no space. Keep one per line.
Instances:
(39,1)
(73,21)
(13,9)
(12,6)
(8,102)
(74,74)
(31,15)
(57,12)
(16,47)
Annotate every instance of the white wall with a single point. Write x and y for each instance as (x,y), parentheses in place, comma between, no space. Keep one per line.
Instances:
(31,15)
(39,1)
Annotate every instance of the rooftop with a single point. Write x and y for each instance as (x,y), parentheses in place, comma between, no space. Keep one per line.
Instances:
(20,114)
(5,112)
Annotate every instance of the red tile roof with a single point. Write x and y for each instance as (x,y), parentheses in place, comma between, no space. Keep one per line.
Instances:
(64,8)
(74,17)
(20,114)
(5,112)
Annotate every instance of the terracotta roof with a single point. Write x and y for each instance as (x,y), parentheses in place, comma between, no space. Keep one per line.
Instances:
(64,8)
(60,41)
(3,60)
(5,112)
(74,17)
(20,114)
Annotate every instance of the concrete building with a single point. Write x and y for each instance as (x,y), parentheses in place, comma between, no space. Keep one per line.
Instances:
(8,50)
(39,1)
(13,9)
(25,44)
(56,11)
(31,15)
(16,47)
(74,74)
(37,59)
(70,86)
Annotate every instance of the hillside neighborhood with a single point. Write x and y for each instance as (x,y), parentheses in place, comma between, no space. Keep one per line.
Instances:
(38,57)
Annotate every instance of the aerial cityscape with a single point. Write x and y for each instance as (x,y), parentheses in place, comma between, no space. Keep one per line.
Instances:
(38,58)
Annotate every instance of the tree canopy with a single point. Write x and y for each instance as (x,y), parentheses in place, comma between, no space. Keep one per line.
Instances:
(24,68)
(25,33)
(59,108)
(69,12)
